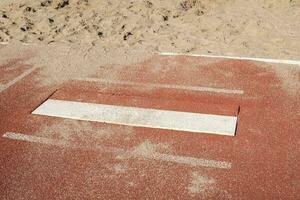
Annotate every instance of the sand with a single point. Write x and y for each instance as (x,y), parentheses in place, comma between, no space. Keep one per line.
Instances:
(260,28)
(200,184)
(206,187)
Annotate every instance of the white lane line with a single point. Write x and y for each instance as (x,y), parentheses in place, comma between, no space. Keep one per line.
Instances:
(54,142)
(167,86)
(140,117)
(183,160)
(35,139)
(267,60)
(18,78)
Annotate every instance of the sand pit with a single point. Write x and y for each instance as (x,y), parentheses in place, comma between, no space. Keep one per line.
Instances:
(260,28)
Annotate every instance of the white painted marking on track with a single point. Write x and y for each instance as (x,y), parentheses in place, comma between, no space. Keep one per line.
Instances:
(267,60)
(184,160)
(140,117)
(18,78)
(35,139)
(167,86)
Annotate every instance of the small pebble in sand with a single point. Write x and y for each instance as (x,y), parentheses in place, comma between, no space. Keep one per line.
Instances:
(50,20)
(125,37)
(149,4)
(29,9)
(100,34)
(23,29)
(46,3)
(62,4)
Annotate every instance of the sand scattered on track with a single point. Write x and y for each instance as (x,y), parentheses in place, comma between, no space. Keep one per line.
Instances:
(289,77)
(147,148)
(84,133)
(120,168)
(205,187)
(201,184)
